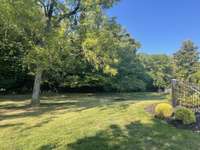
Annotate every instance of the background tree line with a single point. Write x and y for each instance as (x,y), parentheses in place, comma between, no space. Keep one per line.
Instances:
(74,46)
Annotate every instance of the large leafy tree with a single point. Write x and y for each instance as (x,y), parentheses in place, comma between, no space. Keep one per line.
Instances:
(95,45)
(48,24)
(186,61)
(110,40)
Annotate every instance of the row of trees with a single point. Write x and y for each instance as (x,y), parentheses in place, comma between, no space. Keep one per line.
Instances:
(72,44)
(182,65)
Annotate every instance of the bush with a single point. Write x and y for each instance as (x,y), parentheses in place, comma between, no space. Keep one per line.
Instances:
(185,115)
(163,110)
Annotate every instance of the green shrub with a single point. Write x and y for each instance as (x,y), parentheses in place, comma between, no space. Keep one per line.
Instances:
(185,115)
(163,110)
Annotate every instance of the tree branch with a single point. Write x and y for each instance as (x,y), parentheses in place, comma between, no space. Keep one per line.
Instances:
(67,15)
(42,4)
(51,8)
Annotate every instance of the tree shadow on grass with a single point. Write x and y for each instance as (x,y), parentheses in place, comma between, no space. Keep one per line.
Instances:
(138,136)
(11,125)
(15,106)
(71,102)
(14,98)
(22,109)
(47,147)
(147,96)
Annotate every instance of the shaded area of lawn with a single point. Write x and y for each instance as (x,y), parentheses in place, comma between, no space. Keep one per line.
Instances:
(89,122)
(68,101)
(139,136)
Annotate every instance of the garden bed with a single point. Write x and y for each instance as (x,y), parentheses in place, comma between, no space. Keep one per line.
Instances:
(177,123)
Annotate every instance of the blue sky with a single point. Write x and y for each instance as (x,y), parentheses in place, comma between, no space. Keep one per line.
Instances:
(160,25)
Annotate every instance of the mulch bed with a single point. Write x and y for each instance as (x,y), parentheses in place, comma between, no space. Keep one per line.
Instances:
(150,108)
(176,123)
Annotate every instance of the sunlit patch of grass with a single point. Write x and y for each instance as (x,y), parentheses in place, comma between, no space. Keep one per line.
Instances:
(89,122)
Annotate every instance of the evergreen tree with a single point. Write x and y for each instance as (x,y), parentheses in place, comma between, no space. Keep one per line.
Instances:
(186,61)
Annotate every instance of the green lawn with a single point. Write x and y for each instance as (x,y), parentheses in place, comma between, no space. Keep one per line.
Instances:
(89,122)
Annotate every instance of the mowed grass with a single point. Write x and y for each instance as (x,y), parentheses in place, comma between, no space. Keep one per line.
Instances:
(89,122)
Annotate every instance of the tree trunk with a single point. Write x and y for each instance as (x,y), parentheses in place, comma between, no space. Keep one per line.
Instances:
(36,88)
(38,77)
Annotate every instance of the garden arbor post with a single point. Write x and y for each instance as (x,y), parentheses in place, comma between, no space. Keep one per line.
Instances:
(174,98)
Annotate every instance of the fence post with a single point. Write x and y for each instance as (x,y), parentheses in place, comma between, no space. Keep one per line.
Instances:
(174,98)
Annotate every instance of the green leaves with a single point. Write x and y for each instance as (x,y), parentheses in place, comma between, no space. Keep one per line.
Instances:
(186,61)
(84,49)
(159,68)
